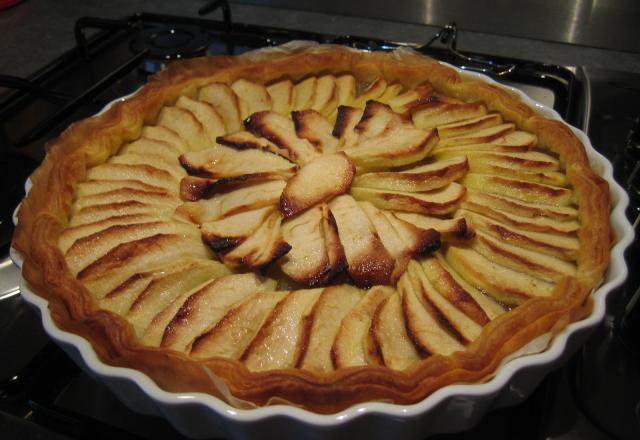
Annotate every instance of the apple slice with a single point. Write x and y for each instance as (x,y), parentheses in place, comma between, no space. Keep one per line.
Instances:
(333,246)
(195,188)
(151,146)
(346,120)
(389,335)
(480,136)
(390,92)
(376,119)
(468,126)
(323,324)
(419,241)
(312,126)
(438,202)
(401,146)
(278,344)
(186,125)
(368,261)
(95,187)
(519,189)
(125,195)
(325,99)
(230,337)
(244,140)
(410,100)
(373,91)
(307,262)
(304,93)
(318,181)
(158,161)
(252,97)
(95,213)
(225,101)
(263,247)
(206,114)
(449,229)
(421,178)
(230,231)
(436,115)
(142,173)
(346,89)
(203,309)
(349,344)
(164,134)
(281,131)
(281,94)
(504,284)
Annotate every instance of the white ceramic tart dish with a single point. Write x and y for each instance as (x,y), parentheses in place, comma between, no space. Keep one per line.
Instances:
(313,238)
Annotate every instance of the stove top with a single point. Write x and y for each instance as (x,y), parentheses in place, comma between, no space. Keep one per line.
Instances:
(42,393)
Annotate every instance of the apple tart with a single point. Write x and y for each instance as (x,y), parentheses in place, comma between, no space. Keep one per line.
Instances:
(315,225)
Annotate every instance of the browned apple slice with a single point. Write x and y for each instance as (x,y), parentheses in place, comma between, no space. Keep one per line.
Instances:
(376,119)
(153,327)
(264,246)
(172,166)
(469,126)
(278,344)
(225,101)
(413,99)
(160,286)
(244,140)
(304,93)
(433,116)
(514,142)
(419,241)
(143,173)
(235,331)
(194,188)
(281,94)
(346,120)
(125,195)
(478,137)
(373,91)
(318,181)
(390,92)
(164,134)
(307,262)
(349,345)
(252,97)
(186,125)
(111,270)
(95,213)
(346,89)
(281,131)
(518,207)
(389,334)
(312,126)
(226,204)
(519,189)
(323,324)
(231,231)
(151,146)
(335,251)
(449,229)
(202,310)
(88,249)
(564,246)
(401,146)
(368,261)
(438,202)
(325,99)
(421,178)
(447,315)
(206,114)
(506,285)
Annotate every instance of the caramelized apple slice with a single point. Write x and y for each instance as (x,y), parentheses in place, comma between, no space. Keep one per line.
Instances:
(325,99)
(449,229)
(323,324)
(519,189)
(244,140)
(225,101)
(281,94)
(480,136)
(312,126)
(281,131)
(421,178)
(335,251)
(389,333)
(376,119)
(438,202)
(124,195)
(203,309)
(206,114)
(164,134)
(96,213)
(307,262)
(172,166)
(349,345)
(235,331)
(194,188)
(278,344)
(264,246)
(368,261)
(186,125)
(304,93)
(433,116)
(230,231)
(142,173)
(413,99)
(401,146)
(373,91)
(346,120)
(318,181)
(469,126)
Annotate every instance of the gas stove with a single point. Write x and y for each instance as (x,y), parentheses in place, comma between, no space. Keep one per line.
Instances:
(596,395)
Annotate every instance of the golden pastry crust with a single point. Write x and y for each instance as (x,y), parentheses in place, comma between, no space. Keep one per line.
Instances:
(45,213)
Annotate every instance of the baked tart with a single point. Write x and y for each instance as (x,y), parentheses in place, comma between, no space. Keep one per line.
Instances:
(318,226)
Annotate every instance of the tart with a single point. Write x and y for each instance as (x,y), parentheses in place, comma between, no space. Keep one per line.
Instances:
(317,225)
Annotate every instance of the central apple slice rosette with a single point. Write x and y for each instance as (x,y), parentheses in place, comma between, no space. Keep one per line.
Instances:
(306,225)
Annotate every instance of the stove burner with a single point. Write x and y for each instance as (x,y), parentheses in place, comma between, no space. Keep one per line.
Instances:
(167,43)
